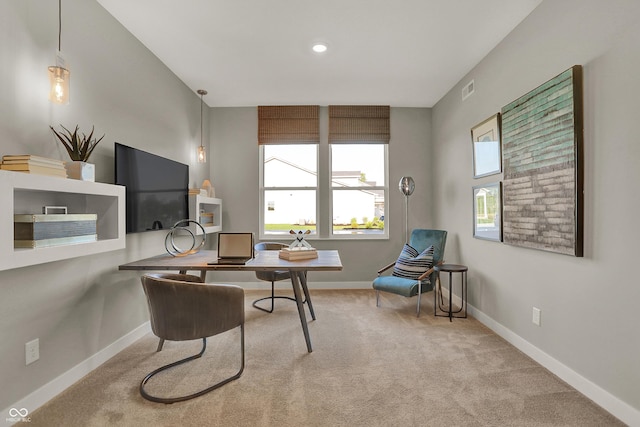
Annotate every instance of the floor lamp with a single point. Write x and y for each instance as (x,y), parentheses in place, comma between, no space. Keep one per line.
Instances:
(406,186)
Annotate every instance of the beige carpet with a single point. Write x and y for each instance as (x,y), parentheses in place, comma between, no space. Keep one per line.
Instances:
(370,367)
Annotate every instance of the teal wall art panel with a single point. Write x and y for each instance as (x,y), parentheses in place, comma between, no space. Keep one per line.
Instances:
(542,165)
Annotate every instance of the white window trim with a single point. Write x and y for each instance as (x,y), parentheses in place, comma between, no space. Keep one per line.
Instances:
(261,234)
(323,185)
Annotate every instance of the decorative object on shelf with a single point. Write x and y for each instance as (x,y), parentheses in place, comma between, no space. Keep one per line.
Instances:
(406,187)
(487,211)
(47,210)
(202,153)
(79,149)
(182,227)
(59,76)
(44,230)
(211,191)
(206,218)
(485,138)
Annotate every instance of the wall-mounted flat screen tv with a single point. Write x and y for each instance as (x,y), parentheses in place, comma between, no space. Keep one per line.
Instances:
(157,189)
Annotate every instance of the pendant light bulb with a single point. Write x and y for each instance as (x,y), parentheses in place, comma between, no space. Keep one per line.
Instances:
(201,154)
(59,76)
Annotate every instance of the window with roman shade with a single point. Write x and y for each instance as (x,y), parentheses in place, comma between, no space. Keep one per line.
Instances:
(358,137)
(288,137)
(291,195)
(296,124)
(359,124)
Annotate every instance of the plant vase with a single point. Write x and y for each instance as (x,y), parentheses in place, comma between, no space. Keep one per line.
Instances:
(81,170)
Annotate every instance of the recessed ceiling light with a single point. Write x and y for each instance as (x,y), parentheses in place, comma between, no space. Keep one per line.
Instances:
(319,47)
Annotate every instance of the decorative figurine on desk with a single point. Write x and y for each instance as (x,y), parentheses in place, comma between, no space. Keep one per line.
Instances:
(300,249)
(300,242)
(182,227)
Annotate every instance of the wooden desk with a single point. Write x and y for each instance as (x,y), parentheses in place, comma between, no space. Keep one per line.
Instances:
(264,261)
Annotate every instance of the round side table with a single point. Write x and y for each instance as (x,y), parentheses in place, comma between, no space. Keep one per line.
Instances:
(447,311)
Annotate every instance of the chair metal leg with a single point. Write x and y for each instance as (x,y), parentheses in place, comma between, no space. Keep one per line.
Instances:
(272,298)
(147,396)
(377,298)
(160,344)
(419,295)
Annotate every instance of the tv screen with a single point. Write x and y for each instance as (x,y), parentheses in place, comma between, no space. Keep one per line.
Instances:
(157,189)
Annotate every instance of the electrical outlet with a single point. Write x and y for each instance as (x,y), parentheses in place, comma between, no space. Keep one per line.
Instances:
(536,316)
(32,351)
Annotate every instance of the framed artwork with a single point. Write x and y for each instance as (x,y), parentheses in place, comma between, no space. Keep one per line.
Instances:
(543,166)
(485,138)
(487,211)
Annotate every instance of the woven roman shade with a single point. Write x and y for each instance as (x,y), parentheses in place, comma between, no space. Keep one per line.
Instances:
(359,124)
(296,124)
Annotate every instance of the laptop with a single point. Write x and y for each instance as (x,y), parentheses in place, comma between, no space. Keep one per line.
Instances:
(234,248)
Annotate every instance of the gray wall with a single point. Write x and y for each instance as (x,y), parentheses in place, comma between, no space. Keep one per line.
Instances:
(78,307)
(589,305)
(234,154)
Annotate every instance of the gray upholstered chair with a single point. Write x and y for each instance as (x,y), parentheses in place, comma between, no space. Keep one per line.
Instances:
(271,276)
(183,308)
(420,240)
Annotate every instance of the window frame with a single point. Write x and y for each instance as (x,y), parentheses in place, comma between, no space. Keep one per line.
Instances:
(320,189)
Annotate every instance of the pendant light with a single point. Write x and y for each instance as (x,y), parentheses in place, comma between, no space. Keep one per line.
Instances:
(59,75)
(202,153)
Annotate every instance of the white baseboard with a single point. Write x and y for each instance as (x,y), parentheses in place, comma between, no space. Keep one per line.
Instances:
(621,410)
(48,391)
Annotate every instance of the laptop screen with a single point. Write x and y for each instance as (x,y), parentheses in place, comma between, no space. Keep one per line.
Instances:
(235,245)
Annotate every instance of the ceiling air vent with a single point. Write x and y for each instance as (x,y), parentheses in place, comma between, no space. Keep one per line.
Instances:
(467,90)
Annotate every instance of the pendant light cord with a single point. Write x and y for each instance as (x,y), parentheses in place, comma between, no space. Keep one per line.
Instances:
(59,23)
(201,102)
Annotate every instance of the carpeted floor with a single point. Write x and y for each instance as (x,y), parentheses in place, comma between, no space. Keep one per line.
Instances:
(370,367)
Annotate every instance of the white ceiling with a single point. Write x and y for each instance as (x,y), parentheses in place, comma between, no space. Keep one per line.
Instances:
(403,53)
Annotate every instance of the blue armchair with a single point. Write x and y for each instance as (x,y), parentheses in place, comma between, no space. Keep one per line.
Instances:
(420,240)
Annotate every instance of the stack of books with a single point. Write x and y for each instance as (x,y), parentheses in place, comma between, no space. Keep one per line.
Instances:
(28,163)
(298,253)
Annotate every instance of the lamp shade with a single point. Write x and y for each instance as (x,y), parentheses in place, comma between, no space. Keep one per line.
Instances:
(406,185)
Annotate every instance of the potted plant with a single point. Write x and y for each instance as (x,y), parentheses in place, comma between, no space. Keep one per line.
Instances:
(79,148)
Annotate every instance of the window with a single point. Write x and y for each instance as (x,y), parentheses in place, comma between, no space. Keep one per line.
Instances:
(289,188)
(336,189)
(358,189)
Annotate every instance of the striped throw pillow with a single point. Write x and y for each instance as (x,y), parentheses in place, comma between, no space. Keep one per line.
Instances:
(411,264)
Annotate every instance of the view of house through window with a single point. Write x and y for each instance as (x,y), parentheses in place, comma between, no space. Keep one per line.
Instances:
(290,186)
(358,189)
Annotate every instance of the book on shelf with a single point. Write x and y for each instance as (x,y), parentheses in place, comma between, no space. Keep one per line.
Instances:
(29,158)
(36,169)
(59,241)
(297,254)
